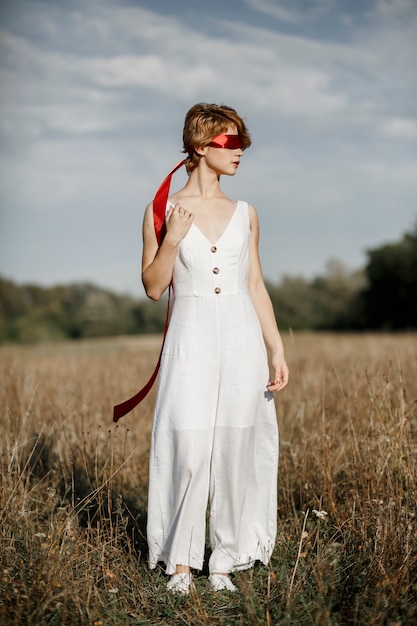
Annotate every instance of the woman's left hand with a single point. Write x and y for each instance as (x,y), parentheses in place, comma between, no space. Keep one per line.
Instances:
(281,374)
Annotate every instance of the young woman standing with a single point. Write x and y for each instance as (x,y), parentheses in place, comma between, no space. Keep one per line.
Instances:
(215,436)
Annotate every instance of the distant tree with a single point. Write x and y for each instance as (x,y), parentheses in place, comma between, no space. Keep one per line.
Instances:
(32,313)
(291,300)
(389,301)
(335,297)
(149,316)
(327,302)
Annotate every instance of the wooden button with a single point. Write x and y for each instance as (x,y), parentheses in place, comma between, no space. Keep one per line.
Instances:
(213,249)
(217,290)
(216,270)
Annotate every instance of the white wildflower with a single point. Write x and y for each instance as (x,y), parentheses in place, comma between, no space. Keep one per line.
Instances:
(320,514)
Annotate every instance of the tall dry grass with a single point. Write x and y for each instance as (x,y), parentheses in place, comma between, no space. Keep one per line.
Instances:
(73,490)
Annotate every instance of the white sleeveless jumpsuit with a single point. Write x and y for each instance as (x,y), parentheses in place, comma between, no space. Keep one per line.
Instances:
(215,435)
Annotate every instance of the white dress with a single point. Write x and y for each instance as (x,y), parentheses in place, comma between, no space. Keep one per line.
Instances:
(215,435)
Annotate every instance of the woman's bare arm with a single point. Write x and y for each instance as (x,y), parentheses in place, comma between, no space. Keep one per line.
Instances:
(263,306)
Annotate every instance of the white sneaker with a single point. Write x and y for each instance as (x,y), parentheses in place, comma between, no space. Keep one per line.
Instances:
(221,582)
(180,583)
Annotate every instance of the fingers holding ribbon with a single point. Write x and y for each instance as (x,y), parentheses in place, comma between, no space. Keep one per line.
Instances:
(178,221)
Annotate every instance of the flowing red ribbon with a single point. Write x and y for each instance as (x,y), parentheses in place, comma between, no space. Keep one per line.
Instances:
(159,214)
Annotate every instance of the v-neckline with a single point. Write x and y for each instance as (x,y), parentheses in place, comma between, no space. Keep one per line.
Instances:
(215,243)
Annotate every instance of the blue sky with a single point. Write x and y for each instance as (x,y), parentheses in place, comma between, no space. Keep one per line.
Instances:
(93,97)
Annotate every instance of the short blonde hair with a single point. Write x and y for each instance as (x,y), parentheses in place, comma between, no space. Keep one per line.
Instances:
(205,121)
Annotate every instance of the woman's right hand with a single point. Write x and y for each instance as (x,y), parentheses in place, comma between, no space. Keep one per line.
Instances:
(158,262)
(178,223)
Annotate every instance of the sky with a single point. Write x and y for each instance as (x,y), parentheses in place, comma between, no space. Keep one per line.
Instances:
(93,97)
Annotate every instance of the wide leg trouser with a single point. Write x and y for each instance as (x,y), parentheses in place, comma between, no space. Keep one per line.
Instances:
(224,467)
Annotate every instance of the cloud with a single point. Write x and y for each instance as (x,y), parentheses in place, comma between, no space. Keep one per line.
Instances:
(274,10)
(400,127)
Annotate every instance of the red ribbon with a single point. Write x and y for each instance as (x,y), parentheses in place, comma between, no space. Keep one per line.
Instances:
(159,215)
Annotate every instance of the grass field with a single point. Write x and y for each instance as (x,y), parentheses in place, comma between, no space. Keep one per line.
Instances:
(73,490)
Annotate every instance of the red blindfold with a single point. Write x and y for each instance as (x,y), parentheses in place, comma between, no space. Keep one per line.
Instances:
(233,142)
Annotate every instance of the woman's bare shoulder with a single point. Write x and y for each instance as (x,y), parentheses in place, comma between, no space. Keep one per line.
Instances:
(148,211)
(253,215)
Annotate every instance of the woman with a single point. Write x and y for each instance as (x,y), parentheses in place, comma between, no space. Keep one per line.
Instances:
(215,437)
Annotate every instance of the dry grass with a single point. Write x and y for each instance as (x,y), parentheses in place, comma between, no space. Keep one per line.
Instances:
(73,490)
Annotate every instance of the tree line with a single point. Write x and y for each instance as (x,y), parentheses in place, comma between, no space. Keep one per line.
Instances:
(382,296)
